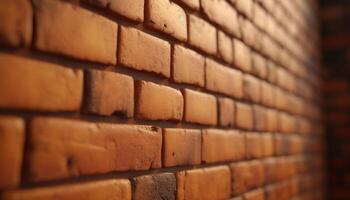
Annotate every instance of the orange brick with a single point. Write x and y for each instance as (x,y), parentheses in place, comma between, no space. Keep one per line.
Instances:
(255,195)
(100,98)
(244,116)
(168,17)
(245,7)
(181,147)
(200,108)
(186,63)
(141,51)
(225,47)
(131,9)
(105,189)
(259,118)
(242,56)
(202,35)
(219,12)
(220,145)
(11,148)
(259,67)
(267,94)
(268,144)
(281,144)
(296,144)
(42,86)
(78,33)
(271,66)
(254,147)
(194,4)
(223,79)
(260,16)
(271,120)
(158,102)
(16,23)
(249,33)
(270,165)
(251,88)
(287,123)
(226,111)
(207,183)
(62,148)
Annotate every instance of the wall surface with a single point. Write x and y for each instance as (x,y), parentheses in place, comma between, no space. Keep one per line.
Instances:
(183,99)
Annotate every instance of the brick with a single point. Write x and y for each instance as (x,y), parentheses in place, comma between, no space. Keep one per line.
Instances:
(249,33)
(16,23)
(168,17)
(296,145)
(219,12)
(202,35)
(259,66)
(270,165)
(271,66)
(154,187)
(221,145)
(158,102)
(287,123)
(207,183)
(110,93)
(245,7)
(43,86)
(281,99)
(63,148)
(105,189)
(226,112)
(222,79)
(251,88)
(268,144)
(267,94)
(142,51)
(131,9)
(244,116)
(259,118)
(181,147)
(242,56)
(254,147)
(260,16)
(200,108)
(11,148)
(255,195)
(78,33)
(186,63)
(194,4)
(271,120)
(281,144)
(225,47)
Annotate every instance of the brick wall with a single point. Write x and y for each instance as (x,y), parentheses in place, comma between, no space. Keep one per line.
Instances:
(159,99)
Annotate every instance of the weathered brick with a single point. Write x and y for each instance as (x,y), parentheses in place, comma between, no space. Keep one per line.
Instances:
(202,35)
(11,150)
(200,108)
(168,17)
(158,102)
(226,111)
(62,148)
(188,66)
(154,187)
(142,51)
(109,93)
(244,116)
(242,56)
(42,86)
(220,145)
(255,195)
(251,88)
(78,33)
(105,189)
(194,4)
(221,13)
(223,79)
(181,147)
(16,23)
(225,47)
(245,7)
(207,183)
(254,147)
(268,144)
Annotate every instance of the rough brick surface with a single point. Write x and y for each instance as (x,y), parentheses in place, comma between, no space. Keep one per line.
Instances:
(42,86)
(226,111)
(181,147)
(244,116)
(78,33)
(62,148)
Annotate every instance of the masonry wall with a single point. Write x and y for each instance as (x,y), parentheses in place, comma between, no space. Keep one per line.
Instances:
(183,99)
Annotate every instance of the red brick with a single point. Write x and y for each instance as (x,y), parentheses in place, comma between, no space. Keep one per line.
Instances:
(158,102)
(16,23)
(202,35)
(186,63)
(259,67)
(251,88)
(105,189)
(255,195)
(281,99)
(200,108)
(242,56)
(157,186)
(11,148)
(100,98)
(131,9)
(287,123)
(207,183)
(296,144)
(267,94)
(285,80)
(222,79)
(142,51)
(281,144)
(244,116)
(245,7)
(271,120)
(181,147)
(226,112)
(268,144)
(78,33)
(259,118)
(270,165)
(225,47)
(194,4)
(62,148)
(168,17)
(42,86)
(220,145)
(254,147)
(219,12)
